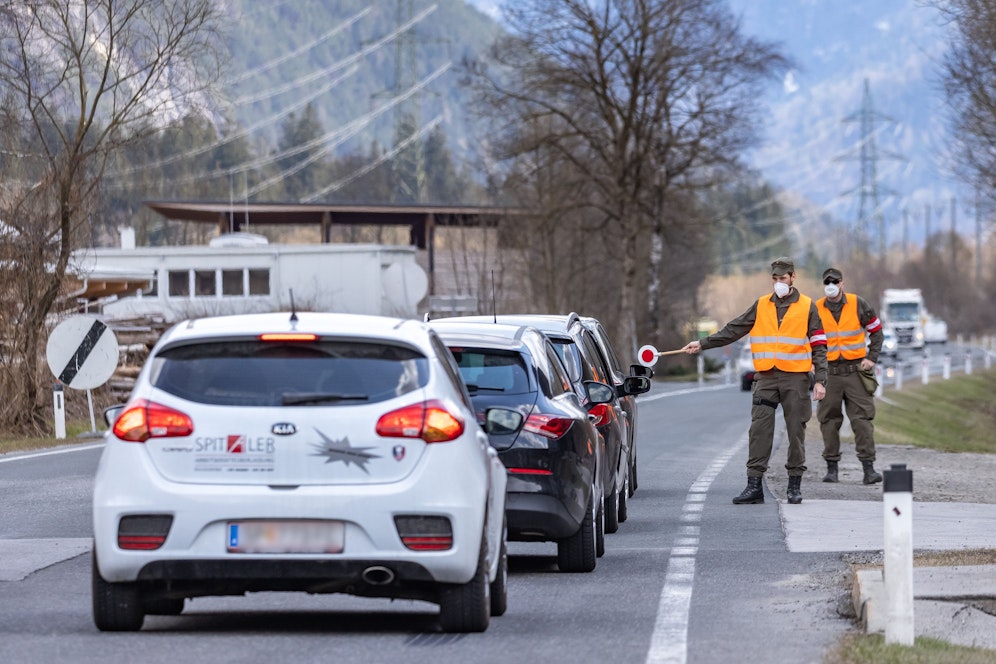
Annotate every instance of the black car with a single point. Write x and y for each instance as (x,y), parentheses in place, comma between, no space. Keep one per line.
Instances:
(553,451)
(578,350)
(626,399)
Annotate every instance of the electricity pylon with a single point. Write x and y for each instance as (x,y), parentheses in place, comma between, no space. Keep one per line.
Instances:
(869,191)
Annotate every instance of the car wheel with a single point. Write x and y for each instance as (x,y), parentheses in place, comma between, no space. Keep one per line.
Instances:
(499,587)
(577,552)
(163,606)
(612,512)
(117,607)
(466,607)
(624,501)
(600,528)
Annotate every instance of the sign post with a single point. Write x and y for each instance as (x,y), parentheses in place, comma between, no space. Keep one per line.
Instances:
(82,353)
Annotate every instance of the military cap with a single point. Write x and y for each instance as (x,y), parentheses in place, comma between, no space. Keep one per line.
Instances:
(832,272)
(782,265)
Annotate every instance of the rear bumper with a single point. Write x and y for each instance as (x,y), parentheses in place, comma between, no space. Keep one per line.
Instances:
(536,517)
(207,577)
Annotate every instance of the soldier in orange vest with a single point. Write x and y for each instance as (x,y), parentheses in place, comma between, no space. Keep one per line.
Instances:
(787,342)
(848,320)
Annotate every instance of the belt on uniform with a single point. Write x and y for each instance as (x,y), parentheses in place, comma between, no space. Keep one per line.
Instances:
(842,369)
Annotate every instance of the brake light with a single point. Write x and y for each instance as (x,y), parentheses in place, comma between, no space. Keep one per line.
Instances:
(146,419)
(548,426)
(602,413)
(288,336)
(529,471)
(431,421)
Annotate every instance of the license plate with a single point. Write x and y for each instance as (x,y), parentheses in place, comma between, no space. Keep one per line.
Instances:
(286,536)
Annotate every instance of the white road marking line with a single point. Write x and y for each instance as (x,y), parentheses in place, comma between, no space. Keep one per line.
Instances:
(654,397)
(669,642)
(65,450)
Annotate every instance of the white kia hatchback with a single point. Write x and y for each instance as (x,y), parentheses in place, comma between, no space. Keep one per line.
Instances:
(314,452)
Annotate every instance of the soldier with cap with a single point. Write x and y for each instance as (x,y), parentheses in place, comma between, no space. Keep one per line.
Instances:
(848,320)
(787,342)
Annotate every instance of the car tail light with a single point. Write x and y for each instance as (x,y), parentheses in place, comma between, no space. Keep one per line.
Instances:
(146,419)
(144,532)
(529,471)
(425,533)
(431,421)
(548,426)
(602,413)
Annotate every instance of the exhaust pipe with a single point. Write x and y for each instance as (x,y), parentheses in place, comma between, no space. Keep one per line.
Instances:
(377,575)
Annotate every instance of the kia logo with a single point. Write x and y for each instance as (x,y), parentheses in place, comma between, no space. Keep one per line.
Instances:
(284,429)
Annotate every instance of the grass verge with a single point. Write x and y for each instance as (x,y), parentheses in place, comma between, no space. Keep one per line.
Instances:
(73,436)
(867,648)
(954,415)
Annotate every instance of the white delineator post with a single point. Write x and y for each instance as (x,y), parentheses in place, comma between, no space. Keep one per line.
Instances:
(899,376)
(700,366)
(925,370)
(59,403)
(968,363)
(947,366)
(897,502)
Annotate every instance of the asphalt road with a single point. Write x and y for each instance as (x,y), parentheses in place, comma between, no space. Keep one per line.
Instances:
(690,577)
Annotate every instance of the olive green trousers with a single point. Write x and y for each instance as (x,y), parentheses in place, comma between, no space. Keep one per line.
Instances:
(791,392)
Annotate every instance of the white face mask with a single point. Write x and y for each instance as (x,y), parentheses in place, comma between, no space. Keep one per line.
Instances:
(781,289)
(832,290)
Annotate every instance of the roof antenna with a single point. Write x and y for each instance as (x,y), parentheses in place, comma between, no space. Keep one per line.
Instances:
(293,310)
(494,305)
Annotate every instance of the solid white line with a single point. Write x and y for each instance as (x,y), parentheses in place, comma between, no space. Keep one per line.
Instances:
(691,390)
(669,642)
(65,450)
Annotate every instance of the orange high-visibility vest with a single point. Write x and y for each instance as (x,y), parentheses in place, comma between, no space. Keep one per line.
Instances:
(846,337)
(784,346)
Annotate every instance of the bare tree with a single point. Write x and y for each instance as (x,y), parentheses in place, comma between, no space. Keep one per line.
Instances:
(642,98)
(80,79)
(969,73)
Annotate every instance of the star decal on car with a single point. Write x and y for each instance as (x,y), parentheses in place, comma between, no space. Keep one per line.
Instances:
(341,450)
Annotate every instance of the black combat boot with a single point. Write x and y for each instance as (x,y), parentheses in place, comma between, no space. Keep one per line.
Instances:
(752,495)
(871,477)
(831,475)
(794,491)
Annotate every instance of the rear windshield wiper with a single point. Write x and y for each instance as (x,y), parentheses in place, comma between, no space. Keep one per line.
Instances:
(299,398)
(477,388)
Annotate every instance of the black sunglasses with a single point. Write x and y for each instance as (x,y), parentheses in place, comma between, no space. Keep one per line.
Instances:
(830,280)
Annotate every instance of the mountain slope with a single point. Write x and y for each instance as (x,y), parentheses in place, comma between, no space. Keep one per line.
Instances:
(813,140)
(345,57)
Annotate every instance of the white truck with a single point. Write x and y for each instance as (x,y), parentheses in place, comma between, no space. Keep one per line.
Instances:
(902,310)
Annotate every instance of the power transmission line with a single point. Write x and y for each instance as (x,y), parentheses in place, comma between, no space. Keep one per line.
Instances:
(869,155)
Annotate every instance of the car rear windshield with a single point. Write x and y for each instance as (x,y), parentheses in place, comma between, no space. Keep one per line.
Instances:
(492,370)
(257,373)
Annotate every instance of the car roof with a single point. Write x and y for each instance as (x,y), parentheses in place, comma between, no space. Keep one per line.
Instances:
(337,324)
(547,323)
(474,333)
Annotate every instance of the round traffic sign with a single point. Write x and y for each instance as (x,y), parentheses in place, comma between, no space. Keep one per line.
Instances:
(82,352)
(647,355)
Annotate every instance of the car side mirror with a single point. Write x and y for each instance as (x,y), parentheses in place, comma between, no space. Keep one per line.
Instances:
(640,370)
(112,413)
(502,421)
(598,392)
(637,385)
